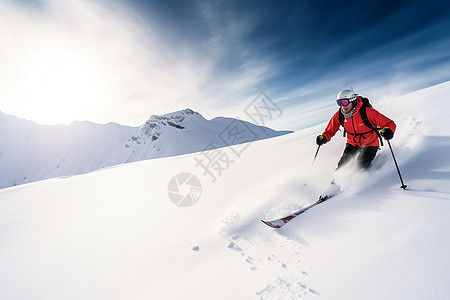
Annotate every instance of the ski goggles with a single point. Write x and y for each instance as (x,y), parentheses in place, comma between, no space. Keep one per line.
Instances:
(343,102)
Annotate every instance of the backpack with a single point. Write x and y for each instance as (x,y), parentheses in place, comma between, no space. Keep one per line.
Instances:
(365,104)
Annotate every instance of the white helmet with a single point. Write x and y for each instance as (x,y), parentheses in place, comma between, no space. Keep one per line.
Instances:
(347,94)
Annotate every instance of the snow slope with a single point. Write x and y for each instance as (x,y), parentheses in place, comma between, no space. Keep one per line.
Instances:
(30,152)
(115,233)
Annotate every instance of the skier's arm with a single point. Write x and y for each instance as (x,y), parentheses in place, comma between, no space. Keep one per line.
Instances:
(380,120)
(332,127)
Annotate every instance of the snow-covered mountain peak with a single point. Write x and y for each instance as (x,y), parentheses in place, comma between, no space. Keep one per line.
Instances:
(156,125)
(177,114)
(186,131)
(174,117)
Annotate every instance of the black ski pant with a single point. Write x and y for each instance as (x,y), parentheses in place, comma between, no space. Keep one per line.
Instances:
(364,155)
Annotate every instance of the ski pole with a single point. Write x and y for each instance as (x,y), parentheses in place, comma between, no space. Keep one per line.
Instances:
(315,156)
(396,165)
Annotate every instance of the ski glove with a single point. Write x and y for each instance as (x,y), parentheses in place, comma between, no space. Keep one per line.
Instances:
(387,133)
(320,140)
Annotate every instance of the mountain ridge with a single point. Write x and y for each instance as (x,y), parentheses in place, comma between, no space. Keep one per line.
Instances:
(31,152)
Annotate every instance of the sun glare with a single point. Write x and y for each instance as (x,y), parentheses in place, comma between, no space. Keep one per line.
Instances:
(59,86)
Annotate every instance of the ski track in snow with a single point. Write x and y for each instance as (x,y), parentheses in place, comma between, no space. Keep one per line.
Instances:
(287,286)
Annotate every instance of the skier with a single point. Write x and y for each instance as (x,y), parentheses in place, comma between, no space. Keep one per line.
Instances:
(363,126)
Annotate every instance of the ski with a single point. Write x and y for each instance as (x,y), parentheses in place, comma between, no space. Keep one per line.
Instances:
(278,223)
(333,190)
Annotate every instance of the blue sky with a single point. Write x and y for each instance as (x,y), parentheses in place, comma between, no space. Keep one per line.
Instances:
(122,61)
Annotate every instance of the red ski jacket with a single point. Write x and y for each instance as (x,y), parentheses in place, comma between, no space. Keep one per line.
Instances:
(364,137)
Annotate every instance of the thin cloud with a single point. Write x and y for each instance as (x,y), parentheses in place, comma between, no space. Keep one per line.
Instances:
(120,61)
